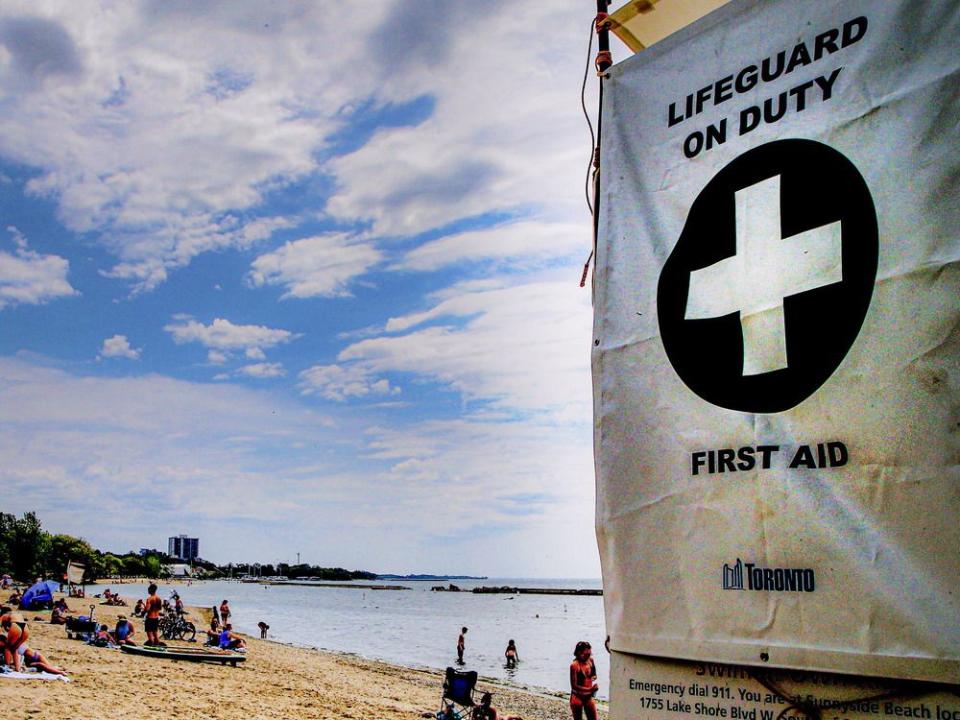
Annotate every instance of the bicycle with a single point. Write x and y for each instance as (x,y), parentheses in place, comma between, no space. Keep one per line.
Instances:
(177,627)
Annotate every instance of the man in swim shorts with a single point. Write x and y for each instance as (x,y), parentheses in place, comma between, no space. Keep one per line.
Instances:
(151,622)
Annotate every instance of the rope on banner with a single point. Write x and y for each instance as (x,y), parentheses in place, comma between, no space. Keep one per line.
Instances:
(586,115)
(813,710)
(600,25)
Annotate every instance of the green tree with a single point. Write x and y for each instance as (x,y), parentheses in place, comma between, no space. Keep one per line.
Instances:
(7,522)
(112,565)
(64,548)
(133,565)
(151,565)
(28,546)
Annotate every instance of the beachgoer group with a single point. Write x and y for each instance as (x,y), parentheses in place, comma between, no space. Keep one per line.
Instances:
(112,598)
(511,654)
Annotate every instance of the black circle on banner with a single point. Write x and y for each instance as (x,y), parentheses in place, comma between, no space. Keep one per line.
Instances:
(818,187)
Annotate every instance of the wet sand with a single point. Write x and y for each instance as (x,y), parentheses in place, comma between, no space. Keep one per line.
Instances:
(276,681)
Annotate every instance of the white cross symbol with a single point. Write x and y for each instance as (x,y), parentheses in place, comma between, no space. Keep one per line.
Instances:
(765,269)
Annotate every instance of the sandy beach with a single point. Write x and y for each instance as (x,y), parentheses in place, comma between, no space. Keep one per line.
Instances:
(276,681)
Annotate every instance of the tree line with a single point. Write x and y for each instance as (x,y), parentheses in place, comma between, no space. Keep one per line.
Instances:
(28,551)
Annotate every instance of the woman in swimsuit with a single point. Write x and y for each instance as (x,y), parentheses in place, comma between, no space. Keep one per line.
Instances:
(583,682)
(33,659)
(17,634)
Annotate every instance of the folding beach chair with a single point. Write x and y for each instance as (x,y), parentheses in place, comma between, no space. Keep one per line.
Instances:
(457,702)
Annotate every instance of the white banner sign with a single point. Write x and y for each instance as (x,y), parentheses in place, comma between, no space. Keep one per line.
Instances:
(777,340)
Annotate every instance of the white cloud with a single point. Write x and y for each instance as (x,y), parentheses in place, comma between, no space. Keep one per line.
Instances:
(262,370)
(316,266)
(222,337)
(519,490)
(160,129)
(255,353)
(180,448)
(119,347)
(491,144)
(156,125)
(340,382)
(529,240)
(29,278)
(525,347)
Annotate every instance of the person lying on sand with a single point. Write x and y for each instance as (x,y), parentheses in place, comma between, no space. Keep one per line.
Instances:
(33,659)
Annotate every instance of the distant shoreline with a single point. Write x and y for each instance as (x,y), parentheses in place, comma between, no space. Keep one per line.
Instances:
(431,578)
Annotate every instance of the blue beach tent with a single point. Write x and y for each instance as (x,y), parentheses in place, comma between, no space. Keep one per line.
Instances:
(39,595)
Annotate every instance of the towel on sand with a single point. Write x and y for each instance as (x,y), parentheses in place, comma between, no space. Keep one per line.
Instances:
(32,675)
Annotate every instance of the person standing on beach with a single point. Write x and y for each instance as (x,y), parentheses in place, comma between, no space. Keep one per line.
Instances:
(461,645)
(151,621)
(583,682)
(224,612)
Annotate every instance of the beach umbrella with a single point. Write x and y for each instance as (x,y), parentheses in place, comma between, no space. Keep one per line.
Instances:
(38,594)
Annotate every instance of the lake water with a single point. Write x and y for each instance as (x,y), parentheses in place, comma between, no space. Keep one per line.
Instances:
(418,627)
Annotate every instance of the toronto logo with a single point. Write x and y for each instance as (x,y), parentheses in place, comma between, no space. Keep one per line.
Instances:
(770,281)
(747,576)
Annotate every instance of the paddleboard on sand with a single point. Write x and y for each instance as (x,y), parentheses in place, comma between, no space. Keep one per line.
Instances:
(184,653)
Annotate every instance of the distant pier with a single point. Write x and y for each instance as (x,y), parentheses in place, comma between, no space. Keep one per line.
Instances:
(508,590)
(304,583)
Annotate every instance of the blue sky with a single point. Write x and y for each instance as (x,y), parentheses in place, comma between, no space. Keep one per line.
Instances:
(295,281)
